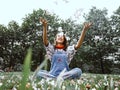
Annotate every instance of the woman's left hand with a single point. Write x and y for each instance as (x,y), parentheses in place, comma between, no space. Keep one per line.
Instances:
(87,25)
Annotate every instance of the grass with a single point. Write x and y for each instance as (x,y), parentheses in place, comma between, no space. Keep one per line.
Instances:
(26,80)
(15,81)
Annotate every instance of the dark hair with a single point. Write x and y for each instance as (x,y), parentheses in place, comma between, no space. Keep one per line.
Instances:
(65,43)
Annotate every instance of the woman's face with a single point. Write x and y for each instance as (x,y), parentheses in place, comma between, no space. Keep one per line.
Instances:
(60,38)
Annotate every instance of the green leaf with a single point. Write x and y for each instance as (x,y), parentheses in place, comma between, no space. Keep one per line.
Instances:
(26,69)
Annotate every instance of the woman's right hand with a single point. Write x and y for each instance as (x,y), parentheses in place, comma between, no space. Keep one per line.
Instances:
(43,21)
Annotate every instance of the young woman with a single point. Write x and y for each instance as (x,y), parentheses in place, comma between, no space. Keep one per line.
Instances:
(61,55)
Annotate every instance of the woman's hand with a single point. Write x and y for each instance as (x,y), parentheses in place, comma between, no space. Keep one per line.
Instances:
(87,26)
(43,21)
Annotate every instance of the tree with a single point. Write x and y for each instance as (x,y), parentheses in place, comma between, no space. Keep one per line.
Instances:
(3,43)
(98,41)
(115,23)
(32,33)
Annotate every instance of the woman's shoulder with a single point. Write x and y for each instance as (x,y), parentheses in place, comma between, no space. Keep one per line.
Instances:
(50,46)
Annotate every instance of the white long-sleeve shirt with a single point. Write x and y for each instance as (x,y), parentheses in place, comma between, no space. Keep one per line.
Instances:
(70,52)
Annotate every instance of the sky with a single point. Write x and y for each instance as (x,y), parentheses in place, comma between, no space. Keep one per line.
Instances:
(17,9)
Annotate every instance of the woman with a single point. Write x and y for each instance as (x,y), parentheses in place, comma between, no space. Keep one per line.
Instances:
(61,55)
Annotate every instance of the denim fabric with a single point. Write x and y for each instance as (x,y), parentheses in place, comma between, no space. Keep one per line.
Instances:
(44,74)
(72,74)
(58,64)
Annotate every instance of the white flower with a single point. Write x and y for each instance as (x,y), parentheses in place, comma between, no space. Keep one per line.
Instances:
(35,88)
(116,88)
(14,88)
(63,87)
(1,84)
(111,83)
(96,86)
(105,78)
(52,83)
(8,81)
(76,87)
(2,77)
(106,84)
(80,81)
(93,89)
(42,81)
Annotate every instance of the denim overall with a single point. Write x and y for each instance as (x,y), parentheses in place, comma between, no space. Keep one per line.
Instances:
(58,64)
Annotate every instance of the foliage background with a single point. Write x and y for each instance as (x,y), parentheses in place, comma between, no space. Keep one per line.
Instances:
(100,52)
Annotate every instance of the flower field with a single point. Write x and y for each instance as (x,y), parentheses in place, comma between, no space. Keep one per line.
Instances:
(12,81)
(27,80)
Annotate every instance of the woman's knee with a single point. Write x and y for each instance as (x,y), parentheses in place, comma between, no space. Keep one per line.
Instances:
(41,73)
(78,72)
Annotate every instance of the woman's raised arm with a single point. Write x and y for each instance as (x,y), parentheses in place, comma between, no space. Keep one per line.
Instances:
(85,28)
(44,23)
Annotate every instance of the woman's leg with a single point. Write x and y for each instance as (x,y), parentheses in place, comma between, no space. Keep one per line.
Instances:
(72,74)
(44,74)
